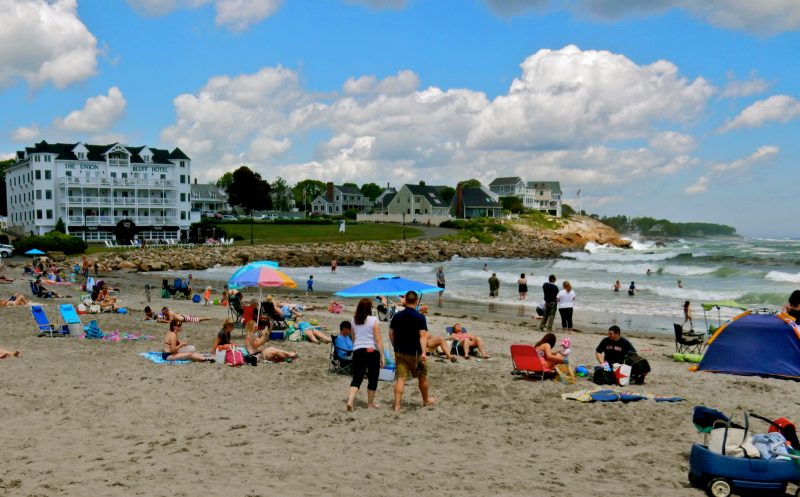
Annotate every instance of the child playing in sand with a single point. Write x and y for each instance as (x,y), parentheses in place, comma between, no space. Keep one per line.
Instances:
(207,296)
(566,349)
(310,285)
(147,293)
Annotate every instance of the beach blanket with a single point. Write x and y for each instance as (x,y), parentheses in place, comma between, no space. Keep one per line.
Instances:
(156,358)
(117,336)
(695,358)
(607,395)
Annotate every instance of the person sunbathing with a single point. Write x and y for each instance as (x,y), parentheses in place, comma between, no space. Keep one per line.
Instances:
(7,353)
(14,300)
(468,341)
(254,341)
(544,348)
(439,345)
(150,315)
(291,309)
(3,279)
(185,318)
(173,349)
(42,291)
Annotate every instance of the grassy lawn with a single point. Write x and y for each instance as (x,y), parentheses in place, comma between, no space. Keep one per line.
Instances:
(264,233)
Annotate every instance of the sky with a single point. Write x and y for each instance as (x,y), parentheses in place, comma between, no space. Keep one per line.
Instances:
(687,110)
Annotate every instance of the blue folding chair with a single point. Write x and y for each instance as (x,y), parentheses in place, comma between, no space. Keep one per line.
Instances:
(70,318)
(45,327)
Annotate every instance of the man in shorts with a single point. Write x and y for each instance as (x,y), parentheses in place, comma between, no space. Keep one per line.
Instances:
(408,333)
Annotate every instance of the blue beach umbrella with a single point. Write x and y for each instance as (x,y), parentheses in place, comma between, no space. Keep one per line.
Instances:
(387,284)
(34,251)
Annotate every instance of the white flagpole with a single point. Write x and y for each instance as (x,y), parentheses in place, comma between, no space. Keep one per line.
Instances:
(580,206)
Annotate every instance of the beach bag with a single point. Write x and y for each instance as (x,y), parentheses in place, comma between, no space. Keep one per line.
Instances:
(234,357)
(603,377)
(164,293)
(639,368)
(622,374)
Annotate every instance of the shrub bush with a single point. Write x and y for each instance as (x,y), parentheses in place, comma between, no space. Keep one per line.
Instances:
(51,242)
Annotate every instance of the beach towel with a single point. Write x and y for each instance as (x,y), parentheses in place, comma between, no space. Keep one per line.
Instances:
(607,395)
(117,336)
(156,358)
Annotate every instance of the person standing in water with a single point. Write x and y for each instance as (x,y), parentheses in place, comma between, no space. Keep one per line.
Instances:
(632,289)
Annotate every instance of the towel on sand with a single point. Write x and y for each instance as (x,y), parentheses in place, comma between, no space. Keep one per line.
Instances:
(606,395)
(156,358)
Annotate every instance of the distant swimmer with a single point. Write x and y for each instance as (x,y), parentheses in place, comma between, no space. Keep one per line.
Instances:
(632,289)
(649,272)
(680,284)
(616,286)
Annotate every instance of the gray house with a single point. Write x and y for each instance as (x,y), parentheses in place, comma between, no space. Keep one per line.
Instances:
(208,197)
(338,199)
(476,202)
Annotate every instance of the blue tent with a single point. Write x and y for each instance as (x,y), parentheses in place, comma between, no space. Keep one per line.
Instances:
(755,345)
(387,284)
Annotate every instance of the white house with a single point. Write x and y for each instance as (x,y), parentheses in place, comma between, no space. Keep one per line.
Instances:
(101,192)
(544,196)
(338,199)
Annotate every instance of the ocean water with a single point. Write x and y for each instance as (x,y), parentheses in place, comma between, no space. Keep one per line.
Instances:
(755,272)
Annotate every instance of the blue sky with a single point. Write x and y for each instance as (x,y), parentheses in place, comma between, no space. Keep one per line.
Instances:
(681,109)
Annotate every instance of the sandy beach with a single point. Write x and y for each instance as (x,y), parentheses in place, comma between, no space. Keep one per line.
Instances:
(85,417)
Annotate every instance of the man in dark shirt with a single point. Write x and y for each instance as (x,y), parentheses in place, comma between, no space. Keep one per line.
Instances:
(408,333)
(550,290)
(613,349)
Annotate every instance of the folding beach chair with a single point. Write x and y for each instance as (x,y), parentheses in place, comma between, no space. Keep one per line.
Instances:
(40,292)
(456,348)
(341,358)
(278,320)
(71,319)
(527,362)
(687,343)
(44,326)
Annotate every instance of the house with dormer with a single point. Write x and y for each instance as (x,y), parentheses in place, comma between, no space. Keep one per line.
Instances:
(543,196)
(338,199)
(418,202)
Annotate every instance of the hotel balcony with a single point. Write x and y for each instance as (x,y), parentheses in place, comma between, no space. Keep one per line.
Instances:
(107,201)
(119,182)
(113,220)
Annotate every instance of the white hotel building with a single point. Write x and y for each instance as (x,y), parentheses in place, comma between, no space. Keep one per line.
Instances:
(101,192)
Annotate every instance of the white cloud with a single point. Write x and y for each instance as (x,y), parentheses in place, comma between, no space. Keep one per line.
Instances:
(45,41)
(99,114)
(236,15)
(725,171)
(570,96)
(673,143)
(777,108)
(26,134)
(762,16)
(404,83)
(737,89)
(9,155)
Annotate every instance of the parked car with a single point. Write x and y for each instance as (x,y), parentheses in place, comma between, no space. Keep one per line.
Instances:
(6,250)
(229,217)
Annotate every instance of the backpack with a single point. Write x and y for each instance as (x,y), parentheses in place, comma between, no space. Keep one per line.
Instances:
(639,368)
(234,357)
(603,377)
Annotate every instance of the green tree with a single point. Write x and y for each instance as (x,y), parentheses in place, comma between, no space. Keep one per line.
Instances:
(249,191)
(470,183)
(447,193)
(226,180)
(60,227)
(567,210)
(512,204)
(421,183)
(281,194)
(371,190)
(306,191)
(353,185)
(4,164)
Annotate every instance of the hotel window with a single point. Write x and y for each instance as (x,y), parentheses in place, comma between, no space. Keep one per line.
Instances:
(47,174)
(48,194)
(38,213)
(38,195)
(49,214)
(183,197)
(113,175)
(183,163)
(183,179)
(38,174)
(183,215)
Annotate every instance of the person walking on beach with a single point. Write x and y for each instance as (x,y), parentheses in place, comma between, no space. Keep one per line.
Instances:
(566,300)
(440,282)
(408,333)
(367,353)
(310,284)
(85,267)
(494,285)
(687,315)
(333,265)
(550,291)
(522,283)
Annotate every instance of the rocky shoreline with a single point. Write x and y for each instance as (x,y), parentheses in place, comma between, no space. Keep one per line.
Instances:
(520,241)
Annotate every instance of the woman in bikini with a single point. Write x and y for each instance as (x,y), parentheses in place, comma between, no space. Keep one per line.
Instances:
(468,341)
(544,348)
(15,300)
(7,353)
(173,349)
(254,343)
(184,318)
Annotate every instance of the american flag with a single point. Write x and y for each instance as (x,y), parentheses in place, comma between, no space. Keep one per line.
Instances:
(579,192)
